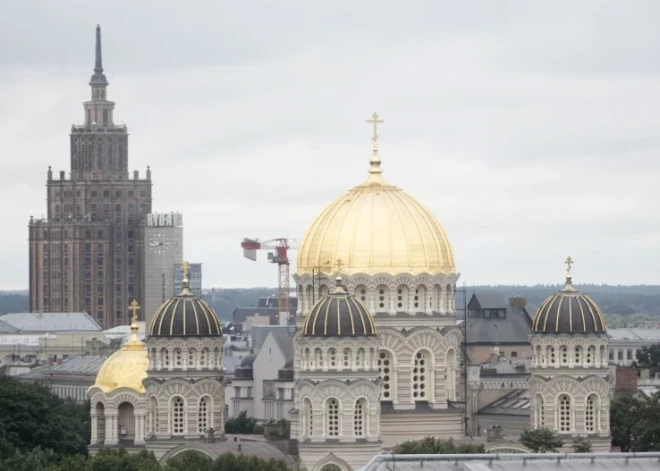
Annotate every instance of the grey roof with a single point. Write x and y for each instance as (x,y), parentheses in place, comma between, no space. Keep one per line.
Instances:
(79,365)
(489,300)
(517,462)
(6,328)
(260,332)
(634,334)
(51,321)
(230,363)
(516,402)
(502,366)
(515,329)
(386,407)
(284,341)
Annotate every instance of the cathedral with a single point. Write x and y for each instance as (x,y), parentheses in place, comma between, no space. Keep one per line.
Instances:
(377,348)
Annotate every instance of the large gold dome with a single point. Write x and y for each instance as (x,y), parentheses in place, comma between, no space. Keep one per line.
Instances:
(126,368)
(376,228)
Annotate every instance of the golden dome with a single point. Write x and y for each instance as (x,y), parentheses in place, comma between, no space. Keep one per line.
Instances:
(376,228)
(126,368)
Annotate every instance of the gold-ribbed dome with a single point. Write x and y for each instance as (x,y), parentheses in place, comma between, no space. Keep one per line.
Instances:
(376,228)
(127,367)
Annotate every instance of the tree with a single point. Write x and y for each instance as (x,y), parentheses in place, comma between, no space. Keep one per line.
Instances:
(649,357)
(34,417)
(434,446)
(541,440)
(624,414)
(189,461)
(118,459)
(581,445)
(242,424)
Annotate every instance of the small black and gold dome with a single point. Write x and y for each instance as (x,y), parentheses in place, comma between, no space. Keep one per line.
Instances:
(185,315)
(569,312)
(339,315)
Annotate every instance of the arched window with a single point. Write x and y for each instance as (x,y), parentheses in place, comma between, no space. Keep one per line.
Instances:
(602,358)
(419,299)
(308,300)
(421,375)
(218,358)
(152,358)
(100,422)
(308,418)
(359,357)
(360,417)
(165,355)
(153,415)
(203,358)
(591,413)
(564,355)
(537,356)
(318,358)
(385,369)
(332,356)
(591,353)
(402,298)
(451,374)
(347,358)
(307,361)
(192,353)
(178,358)
(564,413)
(438,301)
(383,300)
(204,414)
(578,356)
(361,293)
(323,290)
(332,407)
(178,416)
(552,357)
(539,413)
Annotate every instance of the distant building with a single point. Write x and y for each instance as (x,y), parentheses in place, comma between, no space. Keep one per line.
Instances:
(194,278)
(626,342)
(87,254)
(493,322)
(163,240)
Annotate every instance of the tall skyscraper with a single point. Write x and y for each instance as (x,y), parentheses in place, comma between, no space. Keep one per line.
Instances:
(163,240)
(88,253)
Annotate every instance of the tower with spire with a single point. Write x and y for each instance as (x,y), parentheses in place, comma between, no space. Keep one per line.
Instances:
(87,253)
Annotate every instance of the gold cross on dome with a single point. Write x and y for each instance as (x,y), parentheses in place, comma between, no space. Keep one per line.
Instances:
(569,264)
(184,268)
(134,307)
(375,121)
(339,265)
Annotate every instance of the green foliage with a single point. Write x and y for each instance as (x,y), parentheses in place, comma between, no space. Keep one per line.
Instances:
(649,357)
(434,446)
(232,462)
(118,459)
(541,440)
(244,425)
(34,417)
(581,445)
(635,423)
(189,461)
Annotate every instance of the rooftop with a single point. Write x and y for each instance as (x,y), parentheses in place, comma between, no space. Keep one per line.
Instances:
(51,321)
(634,334)
(517,462)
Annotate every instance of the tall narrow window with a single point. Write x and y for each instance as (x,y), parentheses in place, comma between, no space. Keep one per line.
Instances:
(177,416)
(539,413)
(178,358)
(203,414)
(564,413)
(385,372)
(421,370)
(347,358)
(333,417)
(359,357)
(578,356)
(153,414)
(451,374)
(359,417)
(332,355)
(308,419)
(318,358)
(383,298)
(564,355)
(590,414)
(191,358)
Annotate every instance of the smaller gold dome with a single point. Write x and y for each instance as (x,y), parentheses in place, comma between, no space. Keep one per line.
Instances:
(126,368)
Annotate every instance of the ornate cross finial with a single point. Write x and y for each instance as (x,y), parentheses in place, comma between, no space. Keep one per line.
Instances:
(569,264)
(134,307)
(375,121)
(185,267)
(339,265)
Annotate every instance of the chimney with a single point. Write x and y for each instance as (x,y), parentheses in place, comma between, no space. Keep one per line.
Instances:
(62,177)
(136,174)
(518,302)
(240,448)
(235,439)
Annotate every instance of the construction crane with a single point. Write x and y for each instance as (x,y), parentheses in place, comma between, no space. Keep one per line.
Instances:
(280,254)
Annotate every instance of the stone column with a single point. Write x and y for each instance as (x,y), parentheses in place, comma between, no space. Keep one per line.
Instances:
(139,430)
(111,435)
(95,433)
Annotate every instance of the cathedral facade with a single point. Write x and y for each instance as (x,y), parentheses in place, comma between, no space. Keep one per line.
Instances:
(87,254)
(394,258)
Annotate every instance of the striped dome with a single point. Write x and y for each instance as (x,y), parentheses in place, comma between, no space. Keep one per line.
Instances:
(185,315)
(569,312)
(339,315)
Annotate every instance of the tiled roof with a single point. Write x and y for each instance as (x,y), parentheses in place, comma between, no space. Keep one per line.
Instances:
(634,334)
(51,321)
(490,300)
(515,328)
(79,365)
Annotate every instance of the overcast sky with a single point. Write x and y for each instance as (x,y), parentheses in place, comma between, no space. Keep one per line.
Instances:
(530,129)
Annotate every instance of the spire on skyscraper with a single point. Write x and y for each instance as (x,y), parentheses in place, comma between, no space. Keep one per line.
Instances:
(98,78)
